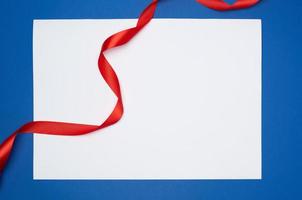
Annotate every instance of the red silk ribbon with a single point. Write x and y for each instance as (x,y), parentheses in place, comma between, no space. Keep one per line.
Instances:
(223,6)
(107,72)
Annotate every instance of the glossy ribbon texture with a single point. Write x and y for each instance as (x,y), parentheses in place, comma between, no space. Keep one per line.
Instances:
(107,72)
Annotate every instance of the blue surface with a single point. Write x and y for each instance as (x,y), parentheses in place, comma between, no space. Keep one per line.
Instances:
(282,102)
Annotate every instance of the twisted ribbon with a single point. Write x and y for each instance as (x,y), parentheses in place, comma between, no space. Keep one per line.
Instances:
(107,72)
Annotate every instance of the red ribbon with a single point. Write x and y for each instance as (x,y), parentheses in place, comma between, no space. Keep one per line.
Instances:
(223,6)
(107,72)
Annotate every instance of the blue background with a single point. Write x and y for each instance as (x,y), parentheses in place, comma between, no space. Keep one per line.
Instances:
(282,102)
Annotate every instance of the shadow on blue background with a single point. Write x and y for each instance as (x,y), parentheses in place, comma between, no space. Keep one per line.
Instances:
(281,115)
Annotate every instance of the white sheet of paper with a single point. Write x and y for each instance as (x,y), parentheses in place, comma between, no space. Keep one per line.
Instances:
(192,97)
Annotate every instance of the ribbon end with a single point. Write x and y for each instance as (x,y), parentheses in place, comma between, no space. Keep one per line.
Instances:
(5,151)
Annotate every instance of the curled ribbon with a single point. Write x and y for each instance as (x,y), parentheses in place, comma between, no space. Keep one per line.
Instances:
(107,72)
